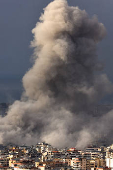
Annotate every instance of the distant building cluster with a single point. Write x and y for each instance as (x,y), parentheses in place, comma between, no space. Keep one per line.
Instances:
(45,157)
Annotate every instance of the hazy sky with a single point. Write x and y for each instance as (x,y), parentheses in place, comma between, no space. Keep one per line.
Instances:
(18,17)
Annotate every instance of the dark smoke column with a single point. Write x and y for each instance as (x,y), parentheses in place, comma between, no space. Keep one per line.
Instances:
(63,86)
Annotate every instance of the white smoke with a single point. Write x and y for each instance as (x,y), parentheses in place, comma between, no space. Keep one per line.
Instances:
(63,86)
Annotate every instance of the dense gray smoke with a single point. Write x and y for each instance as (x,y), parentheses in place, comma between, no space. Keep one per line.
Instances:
(63,86)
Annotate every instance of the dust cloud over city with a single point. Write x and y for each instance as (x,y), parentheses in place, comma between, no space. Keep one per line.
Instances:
(64,84)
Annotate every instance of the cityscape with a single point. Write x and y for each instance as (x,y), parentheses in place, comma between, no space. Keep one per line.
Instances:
(43,156)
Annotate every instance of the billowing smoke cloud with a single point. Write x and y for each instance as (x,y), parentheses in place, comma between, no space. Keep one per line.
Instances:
(64,84)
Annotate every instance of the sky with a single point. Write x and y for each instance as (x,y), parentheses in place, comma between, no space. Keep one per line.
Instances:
(18,18)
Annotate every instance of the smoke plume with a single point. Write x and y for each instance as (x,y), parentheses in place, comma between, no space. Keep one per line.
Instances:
(64,84)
